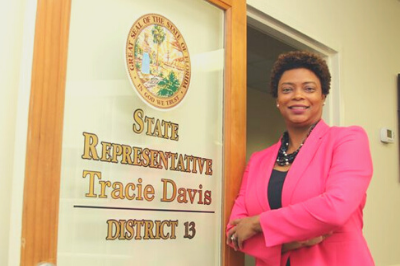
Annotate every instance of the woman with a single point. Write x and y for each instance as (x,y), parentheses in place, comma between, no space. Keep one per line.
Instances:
(301,200)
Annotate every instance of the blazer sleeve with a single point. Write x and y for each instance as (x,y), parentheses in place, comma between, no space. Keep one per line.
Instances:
(346,185)
(254,246)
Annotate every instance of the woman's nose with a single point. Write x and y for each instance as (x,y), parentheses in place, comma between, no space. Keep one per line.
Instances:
(298,94)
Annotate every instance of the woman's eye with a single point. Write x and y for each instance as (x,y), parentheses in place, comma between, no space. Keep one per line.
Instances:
(286,90)
(309,89)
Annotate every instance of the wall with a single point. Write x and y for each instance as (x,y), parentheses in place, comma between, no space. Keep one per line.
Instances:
(366,37)
(10,54)
(17,20)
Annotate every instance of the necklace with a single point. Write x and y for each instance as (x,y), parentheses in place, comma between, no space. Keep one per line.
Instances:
(284,158)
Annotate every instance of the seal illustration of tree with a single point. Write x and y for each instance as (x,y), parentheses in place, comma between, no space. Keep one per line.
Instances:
(168,85)
(158,38)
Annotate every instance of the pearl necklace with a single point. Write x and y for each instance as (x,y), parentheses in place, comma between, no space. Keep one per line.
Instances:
(284,158)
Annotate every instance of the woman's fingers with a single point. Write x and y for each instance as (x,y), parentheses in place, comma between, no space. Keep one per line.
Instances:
(232,239)
(235,222)
(291,246)
(315,241)
(240,243)
(307,243)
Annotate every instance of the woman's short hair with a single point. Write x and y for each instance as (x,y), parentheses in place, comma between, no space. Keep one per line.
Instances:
(300,59)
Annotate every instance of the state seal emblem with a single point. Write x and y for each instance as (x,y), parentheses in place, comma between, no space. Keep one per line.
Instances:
(157,61)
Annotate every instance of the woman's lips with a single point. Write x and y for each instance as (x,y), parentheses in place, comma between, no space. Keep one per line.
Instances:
(298,109)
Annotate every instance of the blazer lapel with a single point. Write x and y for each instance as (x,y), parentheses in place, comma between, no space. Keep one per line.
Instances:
(302,161)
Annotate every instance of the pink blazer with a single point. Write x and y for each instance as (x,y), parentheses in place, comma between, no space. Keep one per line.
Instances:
(324,191)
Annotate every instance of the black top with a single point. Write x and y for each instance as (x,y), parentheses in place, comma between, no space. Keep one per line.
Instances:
(275,186)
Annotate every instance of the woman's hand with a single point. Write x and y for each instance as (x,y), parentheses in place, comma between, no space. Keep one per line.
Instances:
(300,244)
(243,229)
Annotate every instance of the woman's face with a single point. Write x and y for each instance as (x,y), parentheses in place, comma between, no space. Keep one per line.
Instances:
(300,97)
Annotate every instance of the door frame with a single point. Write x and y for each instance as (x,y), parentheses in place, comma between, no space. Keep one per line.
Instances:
(45,126)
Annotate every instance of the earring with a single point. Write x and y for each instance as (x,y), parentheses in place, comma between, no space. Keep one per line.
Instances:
(277,105)
(324,104)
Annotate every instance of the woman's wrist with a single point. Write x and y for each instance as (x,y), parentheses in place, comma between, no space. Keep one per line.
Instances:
(256,224)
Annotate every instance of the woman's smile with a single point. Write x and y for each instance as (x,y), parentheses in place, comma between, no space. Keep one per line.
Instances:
(298,109)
